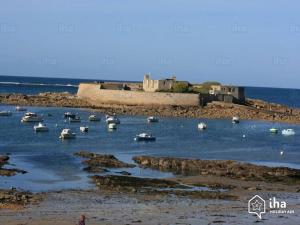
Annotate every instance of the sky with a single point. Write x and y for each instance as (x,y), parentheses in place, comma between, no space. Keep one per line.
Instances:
(241,42)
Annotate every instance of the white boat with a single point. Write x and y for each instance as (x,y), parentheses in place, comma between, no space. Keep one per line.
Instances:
(152,119)
(84,129)
(202,126)
(74,119)
(5,113)
(144,137)
(112,126)
(112,119)
(67,134)
(31,117)
(40,127)
(69,115)
(273,130)
(94,118)
(20,108)
(235,119)
(288,132)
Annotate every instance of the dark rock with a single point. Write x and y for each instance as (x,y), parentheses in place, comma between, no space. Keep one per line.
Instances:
(124,173)
(131,183)
(226,168)
(95,169)
(97,163)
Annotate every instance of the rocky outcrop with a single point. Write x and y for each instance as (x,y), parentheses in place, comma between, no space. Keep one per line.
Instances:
(63,99)
(125,183)
(3,159)
(14,197)
(154,186)
(96,163)
(8,172)
(253,110)
(226,168)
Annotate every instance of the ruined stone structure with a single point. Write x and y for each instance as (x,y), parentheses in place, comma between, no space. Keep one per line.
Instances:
(228,93)
(150,85)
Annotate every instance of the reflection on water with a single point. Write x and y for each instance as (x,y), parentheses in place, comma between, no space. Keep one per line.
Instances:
(52,165)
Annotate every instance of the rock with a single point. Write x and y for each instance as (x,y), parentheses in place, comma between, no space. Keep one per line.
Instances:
(96,163)
(226,168)
(8,172)
(125,173)
(95,169)
(3,159)
(131,183)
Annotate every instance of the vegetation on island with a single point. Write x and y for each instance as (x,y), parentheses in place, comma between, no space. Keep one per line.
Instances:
(185,87)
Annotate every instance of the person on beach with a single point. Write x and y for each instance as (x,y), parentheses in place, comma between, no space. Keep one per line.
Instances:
(82,220)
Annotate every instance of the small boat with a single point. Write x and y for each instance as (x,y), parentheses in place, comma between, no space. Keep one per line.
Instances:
(94,118)
(235,119)
(152,119)
(67,134)
(31,117)
(40,127)
(273,130)
(202,126)
(112,126)
(84,129)
(20,108)
(144,137)
(112,119)
(288,132)
(74,119)
(69,115)
(5,113)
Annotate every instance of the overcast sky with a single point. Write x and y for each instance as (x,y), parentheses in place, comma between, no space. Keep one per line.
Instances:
(242,42)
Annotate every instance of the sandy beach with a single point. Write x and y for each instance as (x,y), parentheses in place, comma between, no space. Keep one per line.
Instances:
(147,201)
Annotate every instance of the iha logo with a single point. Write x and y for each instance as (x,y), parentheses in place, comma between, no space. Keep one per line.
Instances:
(257,205)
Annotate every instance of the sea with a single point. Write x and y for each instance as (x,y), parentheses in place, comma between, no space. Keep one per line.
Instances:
(51,163)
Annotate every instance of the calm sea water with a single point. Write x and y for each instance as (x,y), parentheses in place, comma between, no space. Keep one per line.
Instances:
(51,164)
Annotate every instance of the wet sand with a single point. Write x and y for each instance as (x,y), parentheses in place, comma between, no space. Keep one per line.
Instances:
(102,207)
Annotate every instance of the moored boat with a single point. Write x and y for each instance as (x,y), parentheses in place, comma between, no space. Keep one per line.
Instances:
(144,137)
(94,118)
(273,130)
(20,108)
(152,119)
(235,119)
(69,115)
(31,117)
(112,119)
(288,132)
(40,127)
(84,129)
(202,126)
(5,113)
(112,126)
(74,119)
(67,134)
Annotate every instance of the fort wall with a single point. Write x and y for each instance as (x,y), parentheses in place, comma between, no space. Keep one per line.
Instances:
(96,96)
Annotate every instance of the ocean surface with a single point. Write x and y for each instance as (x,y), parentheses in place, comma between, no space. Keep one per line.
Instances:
(51,163)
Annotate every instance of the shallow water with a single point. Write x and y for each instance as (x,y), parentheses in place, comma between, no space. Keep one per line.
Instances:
(51,164)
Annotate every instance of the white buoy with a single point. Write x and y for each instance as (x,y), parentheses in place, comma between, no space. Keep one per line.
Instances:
(244,136)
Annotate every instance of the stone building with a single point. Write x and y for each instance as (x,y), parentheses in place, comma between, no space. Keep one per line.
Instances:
(150,85)
(228,93)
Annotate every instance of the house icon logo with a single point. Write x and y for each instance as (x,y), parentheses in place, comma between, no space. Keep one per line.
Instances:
(257,205)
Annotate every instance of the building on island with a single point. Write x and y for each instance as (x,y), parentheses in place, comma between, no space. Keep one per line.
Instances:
(159,92)
(150,85)
(228,93)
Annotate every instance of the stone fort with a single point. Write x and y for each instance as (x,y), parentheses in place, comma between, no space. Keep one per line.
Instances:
(153,92)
